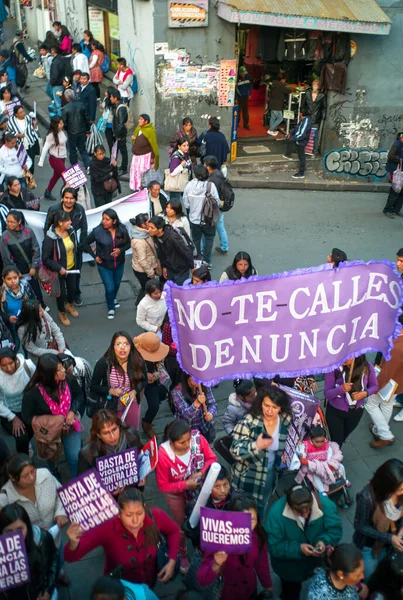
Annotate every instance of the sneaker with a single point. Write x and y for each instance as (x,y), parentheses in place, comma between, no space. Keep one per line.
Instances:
(399,416)
(298,176)
(78,301)
(111,314)
(220,250)
(88,170)
(389,215)
(287,157)
(273,133)
(398,404)
(209,265)
(116,303)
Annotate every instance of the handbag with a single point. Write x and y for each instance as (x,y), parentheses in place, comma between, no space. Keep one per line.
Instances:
(152,175)
(162,551)
(208,592)
(176,183)
(30,180)
(48,436)
(203,146)
(49,280)
(397,179)
(111,185)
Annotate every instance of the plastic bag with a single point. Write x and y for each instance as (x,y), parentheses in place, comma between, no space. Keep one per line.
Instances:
(94,139)
(397,179)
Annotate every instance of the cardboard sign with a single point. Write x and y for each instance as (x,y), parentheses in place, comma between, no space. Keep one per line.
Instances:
(14,569)
(87,502)
(294,323)
(22,155)
(148,458)
(225,531)
(118,470)
(114,151)
(10,107)
(185,13)
(74,177)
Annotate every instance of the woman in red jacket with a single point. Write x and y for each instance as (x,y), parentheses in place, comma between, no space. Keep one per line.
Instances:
(239,571)
(182,460)
(130,540)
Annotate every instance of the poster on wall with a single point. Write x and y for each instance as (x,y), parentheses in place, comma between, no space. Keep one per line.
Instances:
(96,23)
(187,80)
(183,13)
(227,83)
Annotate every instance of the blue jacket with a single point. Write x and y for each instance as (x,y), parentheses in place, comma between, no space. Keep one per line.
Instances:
(300,134)
(395,155)
(216,145)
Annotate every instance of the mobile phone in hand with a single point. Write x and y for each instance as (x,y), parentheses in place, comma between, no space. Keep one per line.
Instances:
(266,436)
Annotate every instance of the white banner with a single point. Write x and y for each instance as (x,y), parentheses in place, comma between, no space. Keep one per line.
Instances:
(126,208)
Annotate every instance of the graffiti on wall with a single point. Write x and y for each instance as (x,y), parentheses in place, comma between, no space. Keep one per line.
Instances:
(361,163)
(73,23)
(391,124)
(360,134)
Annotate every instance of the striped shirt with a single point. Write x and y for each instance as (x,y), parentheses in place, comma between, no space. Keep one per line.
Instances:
(117,381)
(17,126)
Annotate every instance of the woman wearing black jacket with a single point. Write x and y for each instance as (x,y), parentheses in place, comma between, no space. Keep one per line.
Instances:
(50,393)
(41,553)
(175,255)
(102,170)
(112,240)
(59,254)
(16,197)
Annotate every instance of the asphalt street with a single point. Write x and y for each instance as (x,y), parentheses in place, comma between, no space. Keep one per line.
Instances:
(281,230)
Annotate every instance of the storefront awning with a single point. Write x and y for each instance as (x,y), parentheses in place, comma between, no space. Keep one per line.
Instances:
(352,16)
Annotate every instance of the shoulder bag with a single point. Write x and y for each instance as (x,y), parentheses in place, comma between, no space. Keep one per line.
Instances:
(212,591)
(176,183)
(30,180)
(49,280)
(48,436)
(111,185)
(162,551)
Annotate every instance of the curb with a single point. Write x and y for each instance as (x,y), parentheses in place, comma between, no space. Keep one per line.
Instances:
(331,186)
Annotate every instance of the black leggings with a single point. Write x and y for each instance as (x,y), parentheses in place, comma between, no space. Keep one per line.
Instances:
(36,288)
(142,278)
(96,86)
(341,423)
(68,286)
(22,441)
(154,393)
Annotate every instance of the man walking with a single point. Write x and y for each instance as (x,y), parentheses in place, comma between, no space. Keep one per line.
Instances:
(278,93)
(120,115)
(46,61)
(88,96)
(76,125)
(216,177)
(243,92)
(79,223)
(57,74)
(299,136)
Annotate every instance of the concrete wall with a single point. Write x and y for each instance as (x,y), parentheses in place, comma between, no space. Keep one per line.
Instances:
(136,25)
(370,113)
(206,45)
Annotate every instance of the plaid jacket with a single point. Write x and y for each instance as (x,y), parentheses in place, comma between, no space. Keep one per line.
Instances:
(250,471)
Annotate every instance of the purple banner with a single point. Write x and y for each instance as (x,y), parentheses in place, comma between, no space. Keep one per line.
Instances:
(304,408)
(118,470)
(74,177)
(22,155)
(225,531)
(13,560)
(296,323)
(87,502)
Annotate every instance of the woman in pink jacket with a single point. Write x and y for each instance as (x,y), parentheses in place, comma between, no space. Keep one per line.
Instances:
(182,460)
(239,571)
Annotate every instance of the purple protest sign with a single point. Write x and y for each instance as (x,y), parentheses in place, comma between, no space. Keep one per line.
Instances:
(225,531)
(10,106)
(14,570)
(22,155)
(304,409)
(87,502)
(297,323)
(118,470)
(74,177)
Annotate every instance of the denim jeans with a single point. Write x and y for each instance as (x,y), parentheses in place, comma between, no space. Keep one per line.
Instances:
(111,279)
(371,563)
(276,117)
(222,233)
(49,90)
(57,99)
(198,231)
(77,142)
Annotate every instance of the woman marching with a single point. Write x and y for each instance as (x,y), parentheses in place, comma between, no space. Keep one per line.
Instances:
(145,151)
(60,255)
(56,145)
(104,177)
(241,267)
(25,128)
(13,293)
(37,331)
(145,263)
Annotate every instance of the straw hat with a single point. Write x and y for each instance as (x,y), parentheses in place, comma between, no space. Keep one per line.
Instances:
(150,347)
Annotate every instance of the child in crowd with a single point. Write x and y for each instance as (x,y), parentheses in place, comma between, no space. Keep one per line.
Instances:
(239,403)
(320,461)
(152,308)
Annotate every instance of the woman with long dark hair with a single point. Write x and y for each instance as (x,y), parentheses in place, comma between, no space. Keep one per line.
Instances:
(346,389)
(112,240)
(107,116)
(195,404)
(379,515)
(130,539)
(108,435)
(102,171)
(258,445)
(240,571)
(56,145)
(95,61)
(20,248)
(60,255)
(41,553)
(120,376)
(241,267)
(38,332)
(13,293)
(342,576)
(336,257)
(175,215)
(25,128)
(19,197)
(145,263)
(86,42)
(50,393)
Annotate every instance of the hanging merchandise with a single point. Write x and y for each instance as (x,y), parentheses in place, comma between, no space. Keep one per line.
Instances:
(341,47)
(314,50)
(294,44)
(333,77)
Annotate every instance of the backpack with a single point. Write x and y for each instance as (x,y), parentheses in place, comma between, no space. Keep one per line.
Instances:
(183,238)
(186,239)
(210,212)
(203,146)
(135,85)
(228,196)
(106,64)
